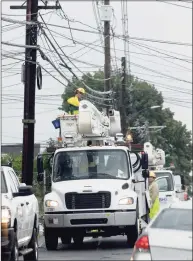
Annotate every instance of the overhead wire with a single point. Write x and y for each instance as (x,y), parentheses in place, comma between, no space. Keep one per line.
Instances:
(65,55)
(138,47)
(96,32)
(166,2)
(90,89)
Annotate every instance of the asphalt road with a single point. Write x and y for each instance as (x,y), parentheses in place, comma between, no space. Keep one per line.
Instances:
(113,248)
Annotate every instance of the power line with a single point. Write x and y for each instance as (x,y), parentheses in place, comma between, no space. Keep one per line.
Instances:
(96,32)
(174,4)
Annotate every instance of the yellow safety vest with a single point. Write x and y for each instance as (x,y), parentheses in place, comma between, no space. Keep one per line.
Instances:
(155,208)
(74,105)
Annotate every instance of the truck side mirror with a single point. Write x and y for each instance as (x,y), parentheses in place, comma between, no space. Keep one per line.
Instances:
(144,161)
(145,173)
(40,168)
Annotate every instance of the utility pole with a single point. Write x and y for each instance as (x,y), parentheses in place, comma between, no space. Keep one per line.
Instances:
(123,95)
(30,86)
(107,51)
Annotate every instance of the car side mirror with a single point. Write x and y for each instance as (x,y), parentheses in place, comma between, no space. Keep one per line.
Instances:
(40,168)
(23,191)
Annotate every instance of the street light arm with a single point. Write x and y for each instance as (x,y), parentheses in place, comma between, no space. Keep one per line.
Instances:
(144,109)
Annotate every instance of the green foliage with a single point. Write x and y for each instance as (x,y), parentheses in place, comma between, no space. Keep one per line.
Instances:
(16,163)
(175,139)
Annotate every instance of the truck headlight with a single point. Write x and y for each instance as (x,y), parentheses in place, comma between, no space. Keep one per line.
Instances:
(5,216)
(126,201)
(51,203)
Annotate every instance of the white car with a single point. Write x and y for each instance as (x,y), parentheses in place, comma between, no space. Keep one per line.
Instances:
(19,218)
(168,236)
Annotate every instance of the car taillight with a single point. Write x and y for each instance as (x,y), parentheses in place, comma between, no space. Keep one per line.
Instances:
(142,242)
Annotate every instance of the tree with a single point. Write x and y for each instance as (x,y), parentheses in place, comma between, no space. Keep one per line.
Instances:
(174,139)
(16,161)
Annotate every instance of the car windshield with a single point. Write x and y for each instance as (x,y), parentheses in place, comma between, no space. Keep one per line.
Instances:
(3,184)
(170,183)
(90,164)
(171,218)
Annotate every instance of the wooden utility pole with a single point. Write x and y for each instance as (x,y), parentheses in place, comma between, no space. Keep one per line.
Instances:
(30,86)
(122,96)
(107,51)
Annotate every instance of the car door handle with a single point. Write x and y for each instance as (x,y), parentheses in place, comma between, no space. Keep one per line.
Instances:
(22,204)
(27,203)
(168,195)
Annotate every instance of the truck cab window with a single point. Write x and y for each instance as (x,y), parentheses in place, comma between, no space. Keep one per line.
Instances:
(3,183)
(89,164)
(12,185)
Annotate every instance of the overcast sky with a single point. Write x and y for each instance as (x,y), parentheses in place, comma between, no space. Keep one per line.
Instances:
(152,20)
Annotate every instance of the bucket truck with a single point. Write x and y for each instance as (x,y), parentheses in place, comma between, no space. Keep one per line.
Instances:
(94,188)
(169,184)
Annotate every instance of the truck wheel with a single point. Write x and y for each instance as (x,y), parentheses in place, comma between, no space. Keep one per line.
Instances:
(15,250)
(34,245)
(66,240)
(78,239)
(133,231)
(51,240)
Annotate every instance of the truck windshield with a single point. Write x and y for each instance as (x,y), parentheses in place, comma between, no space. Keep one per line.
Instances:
(90,164)
(170,185)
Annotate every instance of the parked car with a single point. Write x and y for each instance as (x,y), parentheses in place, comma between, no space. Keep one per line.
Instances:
(168,236)
(19,218)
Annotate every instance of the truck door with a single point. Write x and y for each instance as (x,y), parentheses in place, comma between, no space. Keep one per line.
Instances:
(166,192)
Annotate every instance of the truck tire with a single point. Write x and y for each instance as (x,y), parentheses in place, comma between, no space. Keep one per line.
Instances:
(51,240)
(66,240)
(15,250)
(78,239)
(133,231)
(34,245)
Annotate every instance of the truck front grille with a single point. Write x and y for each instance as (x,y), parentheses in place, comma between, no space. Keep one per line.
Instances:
(92,221)
(88,200)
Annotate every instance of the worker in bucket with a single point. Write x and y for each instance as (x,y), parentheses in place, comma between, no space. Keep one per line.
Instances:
(74,101)
(154,195)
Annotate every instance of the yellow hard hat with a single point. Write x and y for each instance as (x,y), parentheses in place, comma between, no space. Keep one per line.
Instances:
(81,90)
(152,174)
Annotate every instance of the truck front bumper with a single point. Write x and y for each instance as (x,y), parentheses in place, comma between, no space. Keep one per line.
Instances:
(90,219)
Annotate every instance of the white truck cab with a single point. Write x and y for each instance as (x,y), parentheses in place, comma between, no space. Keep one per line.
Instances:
(168,191)
(91,189)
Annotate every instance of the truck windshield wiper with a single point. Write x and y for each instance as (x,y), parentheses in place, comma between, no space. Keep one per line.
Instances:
(93,175)
(62,178)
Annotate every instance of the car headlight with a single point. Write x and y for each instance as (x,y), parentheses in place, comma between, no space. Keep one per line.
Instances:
(5,216)
(51,203)
(126,201)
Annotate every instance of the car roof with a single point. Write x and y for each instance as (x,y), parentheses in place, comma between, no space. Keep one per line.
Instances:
(182,204)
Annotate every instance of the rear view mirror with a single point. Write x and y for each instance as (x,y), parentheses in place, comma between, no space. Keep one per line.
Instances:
(145,173)
(40,168)
(144,161)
